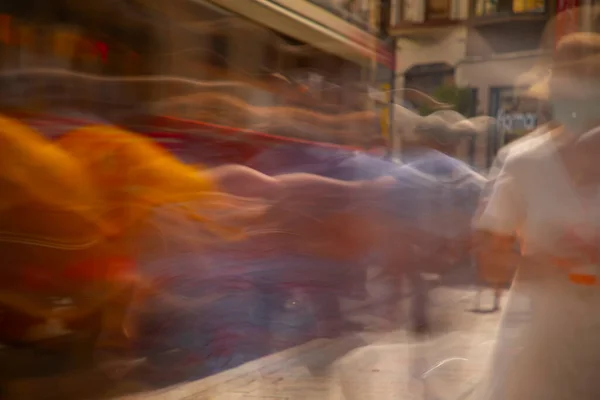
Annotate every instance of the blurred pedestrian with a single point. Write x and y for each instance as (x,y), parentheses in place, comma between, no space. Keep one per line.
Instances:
(438,205)
(522,144)
(410,200)
(545,197)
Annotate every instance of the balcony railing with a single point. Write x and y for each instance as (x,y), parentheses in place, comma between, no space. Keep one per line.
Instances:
(421,16)
(357,12)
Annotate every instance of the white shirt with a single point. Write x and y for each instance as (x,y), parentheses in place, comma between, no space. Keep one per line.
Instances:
(555,353)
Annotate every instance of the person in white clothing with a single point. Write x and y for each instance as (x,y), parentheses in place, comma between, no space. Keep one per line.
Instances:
(545,197)
(513,148)
(518,145)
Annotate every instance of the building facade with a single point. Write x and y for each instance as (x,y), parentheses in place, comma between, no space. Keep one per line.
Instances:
(431,40)
(313,55)
(118,39)
(330,50)
(504,44)
(490,48)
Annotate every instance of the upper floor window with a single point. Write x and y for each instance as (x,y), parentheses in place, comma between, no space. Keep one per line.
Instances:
(357,11)
(438,9)
(493,7)
(414,11)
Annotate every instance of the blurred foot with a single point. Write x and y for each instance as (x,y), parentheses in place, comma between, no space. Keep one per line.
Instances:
(335,330)
(421,328)
(352,326)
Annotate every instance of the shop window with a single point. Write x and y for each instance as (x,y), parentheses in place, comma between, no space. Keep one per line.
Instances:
(219,50)
(428,83)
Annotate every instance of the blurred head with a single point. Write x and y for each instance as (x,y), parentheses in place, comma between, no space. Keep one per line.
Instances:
(572,86)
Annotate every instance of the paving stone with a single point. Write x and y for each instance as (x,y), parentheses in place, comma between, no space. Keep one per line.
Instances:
(394,366)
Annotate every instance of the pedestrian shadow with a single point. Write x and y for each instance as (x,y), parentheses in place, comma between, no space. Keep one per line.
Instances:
(319,364)
(490,310)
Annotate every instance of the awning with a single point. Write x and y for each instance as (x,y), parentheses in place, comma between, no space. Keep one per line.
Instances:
(429,69)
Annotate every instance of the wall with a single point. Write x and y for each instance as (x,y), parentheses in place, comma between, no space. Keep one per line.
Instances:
(311,24)
(506,37)
(449,48)
(498,71)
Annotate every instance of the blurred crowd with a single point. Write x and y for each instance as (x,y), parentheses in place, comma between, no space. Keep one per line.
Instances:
(117,250)
(139,244)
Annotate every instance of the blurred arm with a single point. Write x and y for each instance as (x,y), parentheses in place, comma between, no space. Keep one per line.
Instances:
(496,257)
(242,181)
(496,224)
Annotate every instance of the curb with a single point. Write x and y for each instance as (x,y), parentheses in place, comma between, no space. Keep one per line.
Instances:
(247,372)
(252,371)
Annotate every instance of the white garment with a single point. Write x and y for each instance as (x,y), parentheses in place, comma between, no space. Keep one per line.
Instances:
(549,341)
(514,147)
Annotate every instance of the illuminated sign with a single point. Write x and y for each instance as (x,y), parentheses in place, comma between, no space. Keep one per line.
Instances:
(516,123)
(67,41)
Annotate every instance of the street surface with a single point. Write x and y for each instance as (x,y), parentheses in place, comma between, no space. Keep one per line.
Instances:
(382,362)
(446,365)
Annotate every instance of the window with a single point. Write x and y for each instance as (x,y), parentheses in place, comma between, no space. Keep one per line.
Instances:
(429,77)
(525,6)
(492,7)
(409,11)
(357,11)
(438,9)
(396,10)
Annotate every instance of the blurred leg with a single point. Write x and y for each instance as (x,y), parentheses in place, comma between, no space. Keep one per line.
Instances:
(418,313)
(329,311)
(397,279)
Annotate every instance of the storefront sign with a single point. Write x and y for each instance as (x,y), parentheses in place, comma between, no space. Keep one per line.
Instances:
(515,115)
(515,122)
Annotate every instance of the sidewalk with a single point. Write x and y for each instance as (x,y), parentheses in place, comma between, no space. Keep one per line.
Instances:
(386,366)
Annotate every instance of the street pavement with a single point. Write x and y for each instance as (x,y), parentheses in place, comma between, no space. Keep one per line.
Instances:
(378,364)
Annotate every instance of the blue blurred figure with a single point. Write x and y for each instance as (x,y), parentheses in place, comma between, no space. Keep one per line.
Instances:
(333,277)
(427,187)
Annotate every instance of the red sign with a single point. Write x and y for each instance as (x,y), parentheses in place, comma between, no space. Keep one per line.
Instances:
(567,18)
(215,144)
(385,56)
